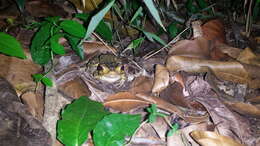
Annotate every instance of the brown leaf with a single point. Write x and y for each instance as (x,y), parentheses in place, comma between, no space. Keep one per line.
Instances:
(208,138)
(231,71)
(161,79)
(19,73)
(74,88)
(141,84)
(125,101)
(185,132)
(197,48)
(248,57)
(245,108)
(92,48)
(227,123)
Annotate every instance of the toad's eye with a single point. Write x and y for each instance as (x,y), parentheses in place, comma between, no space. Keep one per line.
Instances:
(102,69)
(120,69)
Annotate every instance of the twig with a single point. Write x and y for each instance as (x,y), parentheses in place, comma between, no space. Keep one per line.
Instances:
(174,40)
(113,50)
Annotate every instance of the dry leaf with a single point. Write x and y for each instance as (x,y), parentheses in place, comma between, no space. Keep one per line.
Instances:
(248,57)
(125,101)
(227,123)
(161,79)
(141,84)
(197,48)
(19,73)
(245,108)
(231,71)
(208,138)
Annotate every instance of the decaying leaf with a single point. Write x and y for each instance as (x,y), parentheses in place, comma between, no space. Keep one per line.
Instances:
(125,101)
(245,108)
(248,57)
(183,135)
(227,123)
(206,138)
(161,79)
(18,72)
(231,71)
(141,84)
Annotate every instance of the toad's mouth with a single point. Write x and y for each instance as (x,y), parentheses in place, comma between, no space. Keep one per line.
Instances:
(110,77)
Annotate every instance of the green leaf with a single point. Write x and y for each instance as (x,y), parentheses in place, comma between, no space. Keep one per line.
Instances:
(95,20)
(135,43)
(173,30)
(78,119)
(191,8)
(74,43)
(173,130)
(37,77)
(73,28)
(154,12)
(112,130)
(102,29)
(55,46)
(10,46)
(47,81)
(202,3)
(152,37)
(40,50)
(20,4)
(137,13)
(53,19)
(256,10)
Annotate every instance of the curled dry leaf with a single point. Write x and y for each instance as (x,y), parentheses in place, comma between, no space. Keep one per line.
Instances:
(125,101)
(183,138)
(245,108)
(197,48)
(248,57)
(227,123)
(18,72)
(208,138)
(231,71)
(161,80)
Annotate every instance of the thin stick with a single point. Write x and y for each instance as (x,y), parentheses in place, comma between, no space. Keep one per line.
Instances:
(113,50)
(174,40)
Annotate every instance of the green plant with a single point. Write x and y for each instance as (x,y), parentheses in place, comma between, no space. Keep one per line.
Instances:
(10,46)
(84,116)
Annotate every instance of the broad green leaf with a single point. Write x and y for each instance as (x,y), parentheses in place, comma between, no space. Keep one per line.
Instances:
(95,20)
(102,29)
(154,12)
(10,46)
(112,130)
(152,37)
(73,28)
(74,43)
(78,119)
(40,50)
(47,81)
(137,13)
(55,46)
(37,77)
